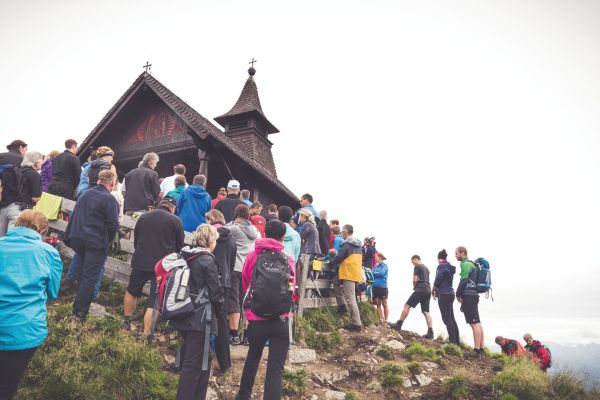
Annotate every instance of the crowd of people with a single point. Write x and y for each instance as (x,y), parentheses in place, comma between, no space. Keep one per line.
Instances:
(236,251)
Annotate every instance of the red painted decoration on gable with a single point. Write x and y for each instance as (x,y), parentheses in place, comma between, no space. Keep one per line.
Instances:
(157,125)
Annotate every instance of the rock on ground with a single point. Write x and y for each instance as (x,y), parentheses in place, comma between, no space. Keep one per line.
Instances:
(395,345)
(423,379)
(333,395)
(98,311)
(332,376)
(212,395)
(298,355)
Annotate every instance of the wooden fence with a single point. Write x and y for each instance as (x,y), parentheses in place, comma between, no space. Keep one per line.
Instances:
(308,281)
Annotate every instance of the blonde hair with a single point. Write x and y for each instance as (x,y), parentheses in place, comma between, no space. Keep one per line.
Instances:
(53,154)
(33,220)
(205,235)
(106,177)
(215,217)
(308,214)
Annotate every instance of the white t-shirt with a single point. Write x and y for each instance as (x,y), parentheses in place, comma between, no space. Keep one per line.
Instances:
(168,184)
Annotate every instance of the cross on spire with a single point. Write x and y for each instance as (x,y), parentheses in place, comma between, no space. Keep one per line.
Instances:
(147,67)
(252,62)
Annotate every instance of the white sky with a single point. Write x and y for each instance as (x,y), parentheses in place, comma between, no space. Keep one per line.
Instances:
(427,124)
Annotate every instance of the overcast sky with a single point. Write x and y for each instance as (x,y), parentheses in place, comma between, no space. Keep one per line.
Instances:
(427,124)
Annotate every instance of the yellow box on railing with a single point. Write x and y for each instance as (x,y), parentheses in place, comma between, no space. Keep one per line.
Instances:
(317,265)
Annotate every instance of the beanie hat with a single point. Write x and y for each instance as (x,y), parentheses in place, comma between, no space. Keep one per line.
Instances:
(442,255)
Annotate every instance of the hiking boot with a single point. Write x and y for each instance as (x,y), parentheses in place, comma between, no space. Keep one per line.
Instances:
(396,325)
(78,318)
(126,324)
(353,328)
(173,367)
(234,340)
(429,334)
(342,310)
(245,341)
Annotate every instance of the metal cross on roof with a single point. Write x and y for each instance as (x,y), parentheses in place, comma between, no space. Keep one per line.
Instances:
(252,62)
(147,67)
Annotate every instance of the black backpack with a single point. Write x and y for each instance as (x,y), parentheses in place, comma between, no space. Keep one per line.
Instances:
(271,292)
(10,184)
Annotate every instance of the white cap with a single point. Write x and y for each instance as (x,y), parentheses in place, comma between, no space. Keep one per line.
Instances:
(233,184)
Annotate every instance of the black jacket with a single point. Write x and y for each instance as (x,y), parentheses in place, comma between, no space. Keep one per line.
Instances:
(95,219)
(141,189)
(66,170)
(12,157)
(157,233)
(94,170)
(31,186)
(204,273)
(225,253)
(227,206)
(324,233)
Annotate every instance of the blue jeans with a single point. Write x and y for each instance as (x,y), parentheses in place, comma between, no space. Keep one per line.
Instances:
(74,273)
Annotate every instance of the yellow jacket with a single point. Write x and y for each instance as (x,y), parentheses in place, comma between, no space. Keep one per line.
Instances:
(350,260)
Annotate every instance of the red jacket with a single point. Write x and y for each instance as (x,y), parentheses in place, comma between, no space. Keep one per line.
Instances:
(540,354)
(259,222)
(216,200)
(512,347)
(262,244)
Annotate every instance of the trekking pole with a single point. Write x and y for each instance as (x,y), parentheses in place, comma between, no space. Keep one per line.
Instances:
(243,313)
(322,299)
(154,311)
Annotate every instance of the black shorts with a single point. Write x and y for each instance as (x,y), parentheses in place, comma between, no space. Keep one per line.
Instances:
(420,297)
(137,280)
(470,307)
(232,301)
(380,293)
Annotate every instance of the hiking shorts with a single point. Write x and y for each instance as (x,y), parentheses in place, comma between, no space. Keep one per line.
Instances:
(232,301)
(420,297)
(380,293)
(470,307)
(137,280)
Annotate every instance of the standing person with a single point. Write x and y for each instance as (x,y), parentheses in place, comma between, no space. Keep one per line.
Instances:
(444,293)
(220,196)
(468,297)
(157,234)
(421,294)
(510,347)
(14,155)
(93,225)
(309,235)
(66,169)
(10,184)
(271,212)
(368,252)
(274,330)
(380,288)
(84,181)
(168,183)
(258,220)
(225,253)
(245,196)
(204,278)
(46,171)
(245,235)
(349,274)
(539,352)
(292,241)
(228,205)
(338,238)
(143,186)
(31,182)
(324,233)
(30,271)
(180,186)
(103,161)
(332,223)
(193,204)
(306,201)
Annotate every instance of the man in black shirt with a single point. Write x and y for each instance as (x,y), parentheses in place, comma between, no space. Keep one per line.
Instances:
(421,294)
(142,186)
(66,171)
(228,204)
(31,181)
(157,234)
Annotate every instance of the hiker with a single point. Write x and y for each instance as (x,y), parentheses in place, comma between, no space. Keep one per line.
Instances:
(30,271)
(193,204)
(245,235)
(258,220)
(84,181)
(204,277)
(92,227)
(225,253)
(468,297)
(421,295)
(14,155)
(368,251)
(338,238)
(332,223)
(349,274)
(180,186)
(46,170)
(324,233)
(231,201)
(444,293)
(168,184)
(306,202)
(157,234)
(220,196)
(268,290)
(143,186)
(31,182)
(380,288)
(245,197)
(66,169)
(540,353)
(103,161)
(292,241)
(510,347)
(271,212)
(309,236)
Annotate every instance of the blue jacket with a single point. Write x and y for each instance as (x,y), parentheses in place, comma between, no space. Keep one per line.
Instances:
(95,218)
(443,278)
(337,242)
(291,242)
(193,203)
(84,182)
(380,273)
(30,272)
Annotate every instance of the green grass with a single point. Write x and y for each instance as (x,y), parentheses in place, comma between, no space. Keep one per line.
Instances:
(566,384)
(451,349)
(504,359)
(351,396)
(325,339)
(417,350)
(522,378)
(392,374)
(385,352)
(368,314)
(456,387)
(294,382)
(414,367)
(508,396)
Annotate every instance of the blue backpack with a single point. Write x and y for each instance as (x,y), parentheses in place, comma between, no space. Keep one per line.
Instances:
(484,277)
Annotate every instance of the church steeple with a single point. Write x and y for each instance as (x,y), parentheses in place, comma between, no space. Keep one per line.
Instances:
(248,127)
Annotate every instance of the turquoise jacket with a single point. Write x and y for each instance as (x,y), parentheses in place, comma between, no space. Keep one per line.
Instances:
(30,272)
(291,242)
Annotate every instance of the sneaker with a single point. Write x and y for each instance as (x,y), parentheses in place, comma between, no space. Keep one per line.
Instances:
(234,340)
(245,342)
(353,328)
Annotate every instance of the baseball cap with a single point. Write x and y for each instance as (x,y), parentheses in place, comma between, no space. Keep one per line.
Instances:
(170,199)
(233,184)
